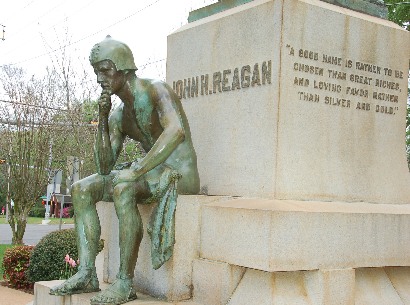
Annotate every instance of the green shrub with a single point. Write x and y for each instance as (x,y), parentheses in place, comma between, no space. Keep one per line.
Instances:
(38,212)
(47,260)
(15,264)
(71,211)
(3,248)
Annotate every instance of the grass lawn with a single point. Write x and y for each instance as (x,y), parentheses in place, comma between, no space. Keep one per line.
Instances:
(37,220)
(2,250)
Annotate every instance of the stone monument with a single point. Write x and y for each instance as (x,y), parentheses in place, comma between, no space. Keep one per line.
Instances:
(297,112)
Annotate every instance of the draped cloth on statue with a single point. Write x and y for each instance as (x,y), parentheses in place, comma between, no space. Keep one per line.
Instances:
(161,228)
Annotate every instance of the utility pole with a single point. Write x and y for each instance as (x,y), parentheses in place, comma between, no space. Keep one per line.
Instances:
(50,159)
(8,204)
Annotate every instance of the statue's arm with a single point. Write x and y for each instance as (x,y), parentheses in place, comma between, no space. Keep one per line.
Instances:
(172,135)
(108,140)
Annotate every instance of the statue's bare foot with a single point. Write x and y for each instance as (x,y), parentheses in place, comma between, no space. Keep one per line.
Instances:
(119,292)
(83,281)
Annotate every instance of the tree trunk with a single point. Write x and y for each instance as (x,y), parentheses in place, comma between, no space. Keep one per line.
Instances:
(18,233)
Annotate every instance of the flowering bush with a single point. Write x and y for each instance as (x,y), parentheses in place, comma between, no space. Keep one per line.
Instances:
(66,213)
(15,264)
(49,259)
(70,268)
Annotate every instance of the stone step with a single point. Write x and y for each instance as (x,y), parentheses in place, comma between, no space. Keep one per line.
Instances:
(290,235)
(42,297)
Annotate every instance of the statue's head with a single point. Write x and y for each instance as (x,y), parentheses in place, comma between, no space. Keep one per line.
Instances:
(116,51)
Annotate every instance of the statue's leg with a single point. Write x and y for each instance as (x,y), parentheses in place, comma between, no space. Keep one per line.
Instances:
(126,196)
(85,193)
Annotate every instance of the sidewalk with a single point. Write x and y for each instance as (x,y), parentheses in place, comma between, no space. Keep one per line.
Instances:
(10,296)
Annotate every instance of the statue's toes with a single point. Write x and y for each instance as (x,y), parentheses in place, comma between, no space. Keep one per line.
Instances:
(75,285)
(112,297)
(59,290)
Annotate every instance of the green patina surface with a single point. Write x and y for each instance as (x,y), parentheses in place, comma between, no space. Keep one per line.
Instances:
(370,7)
(150,113)
(215,8)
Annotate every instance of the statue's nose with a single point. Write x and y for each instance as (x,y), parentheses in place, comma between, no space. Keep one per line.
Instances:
(99,78)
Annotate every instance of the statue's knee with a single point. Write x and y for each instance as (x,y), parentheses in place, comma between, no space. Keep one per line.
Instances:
(82,194)
(122,190)
(123,196)
(75,188)
(78,189)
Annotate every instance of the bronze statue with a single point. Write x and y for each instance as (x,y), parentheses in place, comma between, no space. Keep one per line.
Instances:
(151,114)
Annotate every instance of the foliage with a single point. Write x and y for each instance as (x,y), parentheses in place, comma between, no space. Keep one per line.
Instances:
(399,12)
(66,212)
(3,248)
(15,264)
(79,94)
(131,151)
(3,185)
(71,267)
(89,111)
(51,251)
(37,212)
(25,134)
(76,139)
(40,127)
(71,212)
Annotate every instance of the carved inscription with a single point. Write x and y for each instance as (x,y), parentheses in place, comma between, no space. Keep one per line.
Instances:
(329,79)
(237,78)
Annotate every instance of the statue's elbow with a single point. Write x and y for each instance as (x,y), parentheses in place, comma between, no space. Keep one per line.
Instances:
(180,132)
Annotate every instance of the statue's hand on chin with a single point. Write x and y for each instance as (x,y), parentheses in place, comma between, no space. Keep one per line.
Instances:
(104,102)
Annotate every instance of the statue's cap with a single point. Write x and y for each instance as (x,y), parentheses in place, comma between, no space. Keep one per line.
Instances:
(116,51)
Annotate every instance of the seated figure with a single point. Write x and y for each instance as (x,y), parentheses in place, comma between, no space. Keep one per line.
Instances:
(151,114)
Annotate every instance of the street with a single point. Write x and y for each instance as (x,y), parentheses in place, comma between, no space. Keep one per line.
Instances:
(33,233)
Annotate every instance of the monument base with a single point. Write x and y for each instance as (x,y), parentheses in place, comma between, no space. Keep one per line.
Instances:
(290,235)
(219,240)
(173,281)
(42,297)
(364,286)
(260,251)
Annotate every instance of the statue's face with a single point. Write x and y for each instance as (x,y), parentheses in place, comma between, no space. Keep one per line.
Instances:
(108,76)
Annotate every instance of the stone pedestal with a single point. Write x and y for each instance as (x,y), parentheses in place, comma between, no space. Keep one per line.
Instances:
(279,235)
(42,297)
(298,107)
(173,281)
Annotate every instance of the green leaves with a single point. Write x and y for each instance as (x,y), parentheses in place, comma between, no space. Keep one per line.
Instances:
(50,251)
(399,12)
(15,264)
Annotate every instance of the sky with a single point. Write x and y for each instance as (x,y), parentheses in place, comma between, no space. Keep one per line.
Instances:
(36,29)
